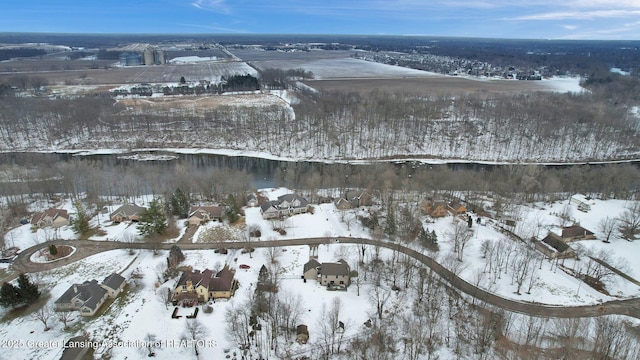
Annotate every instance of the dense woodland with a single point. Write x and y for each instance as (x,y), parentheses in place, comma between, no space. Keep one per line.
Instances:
(508,128)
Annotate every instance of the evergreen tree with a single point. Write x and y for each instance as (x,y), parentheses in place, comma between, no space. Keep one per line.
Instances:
(179,204)
(175,257)
(428,239)
(374,222)
(391,227)
(80,224)
(53,250)
(27,291)
(153,221)
(233,209)
(260,302)
(9,295)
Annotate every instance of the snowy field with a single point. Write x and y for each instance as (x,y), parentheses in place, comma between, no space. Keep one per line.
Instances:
(128,317)
(191,59)
(345,68)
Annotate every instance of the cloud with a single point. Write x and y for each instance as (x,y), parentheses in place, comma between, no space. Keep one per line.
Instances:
(616,32)
(579,15)
(219,6)
(215,28)
(570,27)
(604,4)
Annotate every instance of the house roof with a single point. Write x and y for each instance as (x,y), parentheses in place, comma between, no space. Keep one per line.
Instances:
(352,195)
(89,292)
(312,264)
(196,277)
(268,204)
(455,204)
(339,268)
(113,281)
(556,243)
(292,197)
(223,280)
(52,213)
(302,329)
(128,210)
(339,201)
(213,211)
(75,347)
(573,231)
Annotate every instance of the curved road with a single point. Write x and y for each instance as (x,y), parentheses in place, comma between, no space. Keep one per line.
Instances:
(629,307)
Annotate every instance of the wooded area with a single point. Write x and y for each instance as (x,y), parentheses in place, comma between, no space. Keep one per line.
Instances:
(534,127)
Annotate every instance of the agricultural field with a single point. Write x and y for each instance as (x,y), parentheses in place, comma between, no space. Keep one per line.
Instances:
(332,70)
(167,73)
(194,105)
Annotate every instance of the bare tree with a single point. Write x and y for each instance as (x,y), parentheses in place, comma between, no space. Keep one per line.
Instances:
(290,306)
(194,332)
(629,222)
(451,262)
(460,236)
(593,269)
(129,238)
(150,342)
(565,216)
(571,334)
(379,296)
(521,265)
(532,330)
(164,295)
(65,317)
(273,254)
(239,327)
(608,226)
(43,315)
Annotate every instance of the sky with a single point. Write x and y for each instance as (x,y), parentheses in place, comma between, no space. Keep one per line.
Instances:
(529,19)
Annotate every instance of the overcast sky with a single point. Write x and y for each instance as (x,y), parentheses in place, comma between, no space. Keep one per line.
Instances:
(535,19)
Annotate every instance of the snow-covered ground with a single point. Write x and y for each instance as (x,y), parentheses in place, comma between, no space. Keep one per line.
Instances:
(128,317)
(192,59)
(25,236)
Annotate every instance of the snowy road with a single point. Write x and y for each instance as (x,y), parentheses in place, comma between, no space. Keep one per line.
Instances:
(629,307)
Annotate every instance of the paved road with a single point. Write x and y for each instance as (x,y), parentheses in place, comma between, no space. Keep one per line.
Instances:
(629,307)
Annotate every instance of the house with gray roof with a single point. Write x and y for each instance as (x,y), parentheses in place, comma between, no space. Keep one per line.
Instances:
(310,270)
(89,296)
(286,205)
(327,273)
(127,212)
(76,348)
(114,284)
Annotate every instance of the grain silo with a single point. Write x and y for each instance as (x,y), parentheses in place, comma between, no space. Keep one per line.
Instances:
(123,58)
(159,56)
(133,59)
(148,56)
